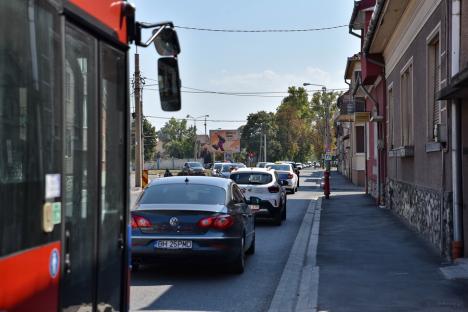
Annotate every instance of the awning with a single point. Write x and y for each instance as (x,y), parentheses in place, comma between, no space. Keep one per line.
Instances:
(457,89)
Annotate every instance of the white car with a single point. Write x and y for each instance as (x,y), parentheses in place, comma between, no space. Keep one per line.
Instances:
(216,166)
(265,185)
(286,172)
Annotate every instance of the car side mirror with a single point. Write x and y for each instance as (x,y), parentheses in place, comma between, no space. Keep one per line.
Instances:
(169,84)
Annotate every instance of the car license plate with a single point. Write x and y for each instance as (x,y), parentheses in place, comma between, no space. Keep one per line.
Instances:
(254,208)
(173,244)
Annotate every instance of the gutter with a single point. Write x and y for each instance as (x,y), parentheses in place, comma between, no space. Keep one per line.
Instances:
(353,17)
(457,243)
(373,25)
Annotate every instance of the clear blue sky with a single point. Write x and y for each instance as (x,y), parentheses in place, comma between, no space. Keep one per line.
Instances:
(247,62)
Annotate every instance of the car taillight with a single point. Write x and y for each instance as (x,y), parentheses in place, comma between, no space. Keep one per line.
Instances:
(205,222)
(290,176)
(140,222)
(221,222)
(273,189)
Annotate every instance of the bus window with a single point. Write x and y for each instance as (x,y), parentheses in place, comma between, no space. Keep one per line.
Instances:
(30,120)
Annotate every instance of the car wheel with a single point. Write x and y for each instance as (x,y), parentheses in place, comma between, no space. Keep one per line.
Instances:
(278,217)
(136,266)
(283,213)
(251,249)
(293,191)
(238,265)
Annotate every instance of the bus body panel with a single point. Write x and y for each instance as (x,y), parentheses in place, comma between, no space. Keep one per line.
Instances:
(109,12)
(30,279)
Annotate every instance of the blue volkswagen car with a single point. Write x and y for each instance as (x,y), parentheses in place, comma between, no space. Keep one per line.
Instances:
(192,217)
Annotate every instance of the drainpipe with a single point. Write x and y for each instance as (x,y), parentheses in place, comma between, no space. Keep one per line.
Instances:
(457,242)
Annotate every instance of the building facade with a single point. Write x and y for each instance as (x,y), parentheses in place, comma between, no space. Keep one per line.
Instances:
(414,79)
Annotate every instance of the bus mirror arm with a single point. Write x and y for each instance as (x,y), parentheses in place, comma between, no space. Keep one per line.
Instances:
(159,26)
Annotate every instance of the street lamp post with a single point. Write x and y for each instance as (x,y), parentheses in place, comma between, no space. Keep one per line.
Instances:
(326,174)
(195,128)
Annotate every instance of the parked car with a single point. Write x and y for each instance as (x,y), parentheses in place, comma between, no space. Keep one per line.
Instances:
(299,166)
(266,185)
(193,168)
(286,172)
(193,217)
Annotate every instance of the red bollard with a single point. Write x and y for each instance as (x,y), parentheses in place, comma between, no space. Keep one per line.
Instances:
(326,184)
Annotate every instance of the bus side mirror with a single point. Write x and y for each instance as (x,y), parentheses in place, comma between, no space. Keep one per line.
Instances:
(169,84)
(166,42)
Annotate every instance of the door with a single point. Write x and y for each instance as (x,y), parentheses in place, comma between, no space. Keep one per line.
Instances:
(113,171)
(95,173)
(80,172)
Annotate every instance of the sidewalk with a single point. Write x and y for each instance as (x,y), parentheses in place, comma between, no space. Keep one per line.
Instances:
(370,261)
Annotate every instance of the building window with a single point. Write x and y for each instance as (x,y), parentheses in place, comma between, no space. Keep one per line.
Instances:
(433,80)
(390,118)
(406,102)
(360,146)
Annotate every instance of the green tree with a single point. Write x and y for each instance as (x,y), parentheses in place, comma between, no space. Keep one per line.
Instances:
(178,139)
(294,122)
(149,139)
(258,124)
(318,110)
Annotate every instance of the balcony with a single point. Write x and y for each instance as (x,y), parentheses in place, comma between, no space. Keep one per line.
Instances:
(371,67)
(348,106)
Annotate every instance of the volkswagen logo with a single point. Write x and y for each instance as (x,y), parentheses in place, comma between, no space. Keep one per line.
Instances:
(173,221)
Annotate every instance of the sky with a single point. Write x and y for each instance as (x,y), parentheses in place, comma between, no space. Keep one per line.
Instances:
(245,62)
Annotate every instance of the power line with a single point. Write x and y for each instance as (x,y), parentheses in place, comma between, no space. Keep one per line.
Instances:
(240,93)
(211,120)
(261,30)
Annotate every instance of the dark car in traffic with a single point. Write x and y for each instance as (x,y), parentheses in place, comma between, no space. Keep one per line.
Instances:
(193,168)
(193,217)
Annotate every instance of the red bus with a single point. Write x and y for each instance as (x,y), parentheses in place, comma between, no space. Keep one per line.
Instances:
(64,153)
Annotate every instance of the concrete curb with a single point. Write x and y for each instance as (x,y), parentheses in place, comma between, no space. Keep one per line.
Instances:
(297,289)
(308,290)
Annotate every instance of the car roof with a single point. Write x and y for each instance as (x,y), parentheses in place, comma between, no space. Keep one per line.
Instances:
(214,181)
(263,170)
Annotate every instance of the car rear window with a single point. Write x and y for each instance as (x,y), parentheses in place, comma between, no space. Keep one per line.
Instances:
(184,193)
(195,165)
(251,178)
(280,167)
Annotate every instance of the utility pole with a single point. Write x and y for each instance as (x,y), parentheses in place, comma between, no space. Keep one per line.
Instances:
(326,187)
(265,147)
(261,145)
(195,144)
(138,123)
(205,124)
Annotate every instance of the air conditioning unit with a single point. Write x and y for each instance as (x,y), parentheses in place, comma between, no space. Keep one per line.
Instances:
(440,133)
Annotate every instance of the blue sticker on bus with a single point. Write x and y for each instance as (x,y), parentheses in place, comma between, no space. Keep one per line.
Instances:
(54,262)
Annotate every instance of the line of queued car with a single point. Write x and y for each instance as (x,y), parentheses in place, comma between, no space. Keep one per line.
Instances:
(193,217)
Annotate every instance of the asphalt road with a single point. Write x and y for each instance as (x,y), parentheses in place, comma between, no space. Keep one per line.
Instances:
(207,288)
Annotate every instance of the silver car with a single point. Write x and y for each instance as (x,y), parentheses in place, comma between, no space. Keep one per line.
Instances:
(266,185)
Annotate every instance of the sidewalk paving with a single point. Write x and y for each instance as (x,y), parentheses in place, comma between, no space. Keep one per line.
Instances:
(370,261)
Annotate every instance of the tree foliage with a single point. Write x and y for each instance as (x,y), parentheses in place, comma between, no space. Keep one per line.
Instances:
(149,139)
(296,131)
(178,139)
